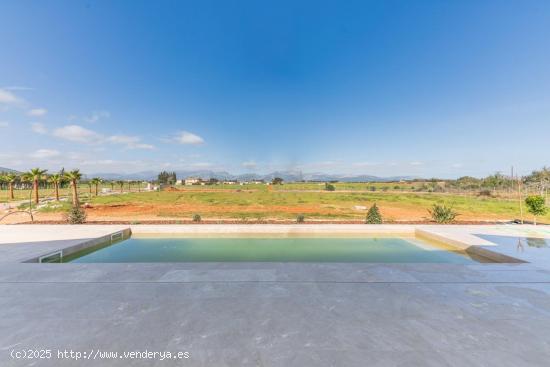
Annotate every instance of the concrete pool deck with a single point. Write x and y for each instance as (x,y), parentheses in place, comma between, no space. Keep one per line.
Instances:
(274,314)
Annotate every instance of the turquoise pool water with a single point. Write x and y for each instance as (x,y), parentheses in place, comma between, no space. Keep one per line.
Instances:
(371,250)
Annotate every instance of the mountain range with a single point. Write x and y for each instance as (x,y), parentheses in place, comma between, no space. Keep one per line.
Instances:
(223,175)
(7,170)
(288,176)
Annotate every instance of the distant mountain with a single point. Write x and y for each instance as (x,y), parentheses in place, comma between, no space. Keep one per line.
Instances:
(288,176)
(8,170)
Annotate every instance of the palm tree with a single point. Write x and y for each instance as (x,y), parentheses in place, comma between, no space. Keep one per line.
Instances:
(73,176)
(96,181)
(35,175)
(56,179)
(121,184)
(10,179)
(2,181)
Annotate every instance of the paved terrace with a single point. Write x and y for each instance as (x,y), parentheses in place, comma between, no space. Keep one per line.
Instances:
(275,314)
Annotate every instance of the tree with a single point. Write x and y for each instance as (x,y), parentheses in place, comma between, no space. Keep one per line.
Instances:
(373,215)
(277,181)
(329,187)
(73,177)
(167,178)
(56,179)
(35,175)
(121,184)
(96,181)
(536,205)
(10,180)
(2,180)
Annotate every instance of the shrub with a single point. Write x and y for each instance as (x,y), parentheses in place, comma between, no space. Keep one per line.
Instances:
(442,213)
(373,215)
(536,205)
(485,192)
(329,187)
(300,218)
(76,215)
(372,188)
(197,218)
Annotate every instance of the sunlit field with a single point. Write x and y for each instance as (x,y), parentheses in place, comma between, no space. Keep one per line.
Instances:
(258,202)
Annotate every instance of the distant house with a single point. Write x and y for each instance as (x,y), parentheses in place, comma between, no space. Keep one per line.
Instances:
(257,182)
(193,181)
(179,182)
(231,182)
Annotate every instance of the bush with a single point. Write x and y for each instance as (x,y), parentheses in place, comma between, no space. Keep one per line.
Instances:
(536,206)
(442,213)
(373,215)
(486,192)
(329,187)
(372,188)
(76,215)
(197,218)
(300,218)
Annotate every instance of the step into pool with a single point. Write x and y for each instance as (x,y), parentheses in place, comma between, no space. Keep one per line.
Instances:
(368,250)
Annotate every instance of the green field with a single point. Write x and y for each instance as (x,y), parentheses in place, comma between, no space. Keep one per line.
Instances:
(262,202)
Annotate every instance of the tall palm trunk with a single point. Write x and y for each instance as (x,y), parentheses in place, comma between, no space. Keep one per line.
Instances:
(10,188)
(56,186)
(96,189)
(75,193)
(35,189)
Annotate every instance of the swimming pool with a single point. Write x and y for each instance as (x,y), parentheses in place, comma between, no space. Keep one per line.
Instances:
(346,250)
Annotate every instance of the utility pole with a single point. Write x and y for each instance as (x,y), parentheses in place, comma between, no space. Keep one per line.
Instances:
(520,200)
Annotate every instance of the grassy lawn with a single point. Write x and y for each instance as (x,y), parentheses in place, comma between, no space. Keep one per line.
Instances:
(260,202)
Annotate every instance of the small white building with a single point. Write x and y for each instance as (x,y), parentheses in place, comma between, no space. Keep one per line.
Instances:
(193,181)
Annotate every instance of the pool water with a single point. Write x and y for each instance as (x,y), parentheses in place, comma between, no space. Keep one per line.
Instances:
(372,250)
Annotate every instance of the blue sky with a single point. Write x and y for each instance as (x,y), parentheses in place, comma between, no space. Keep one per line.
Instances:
(427,88)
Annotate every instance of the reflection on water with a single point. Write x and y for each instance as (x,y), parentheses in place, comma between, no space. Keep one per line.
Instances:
(530,249)
(537,242)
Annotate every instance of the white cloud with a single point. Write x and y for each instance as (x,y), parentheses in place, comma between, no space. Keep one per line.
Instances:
(37,112)
(249,165)
(131,142)
(4,124)
(77,134)
(95,116)
(80,134)
(186,137)
(45,154)
(416,163)
(9,99)
(39,128)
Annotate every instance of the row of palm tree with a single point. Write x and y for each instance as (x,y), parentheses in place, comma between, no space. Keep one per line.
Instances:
(37,175)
